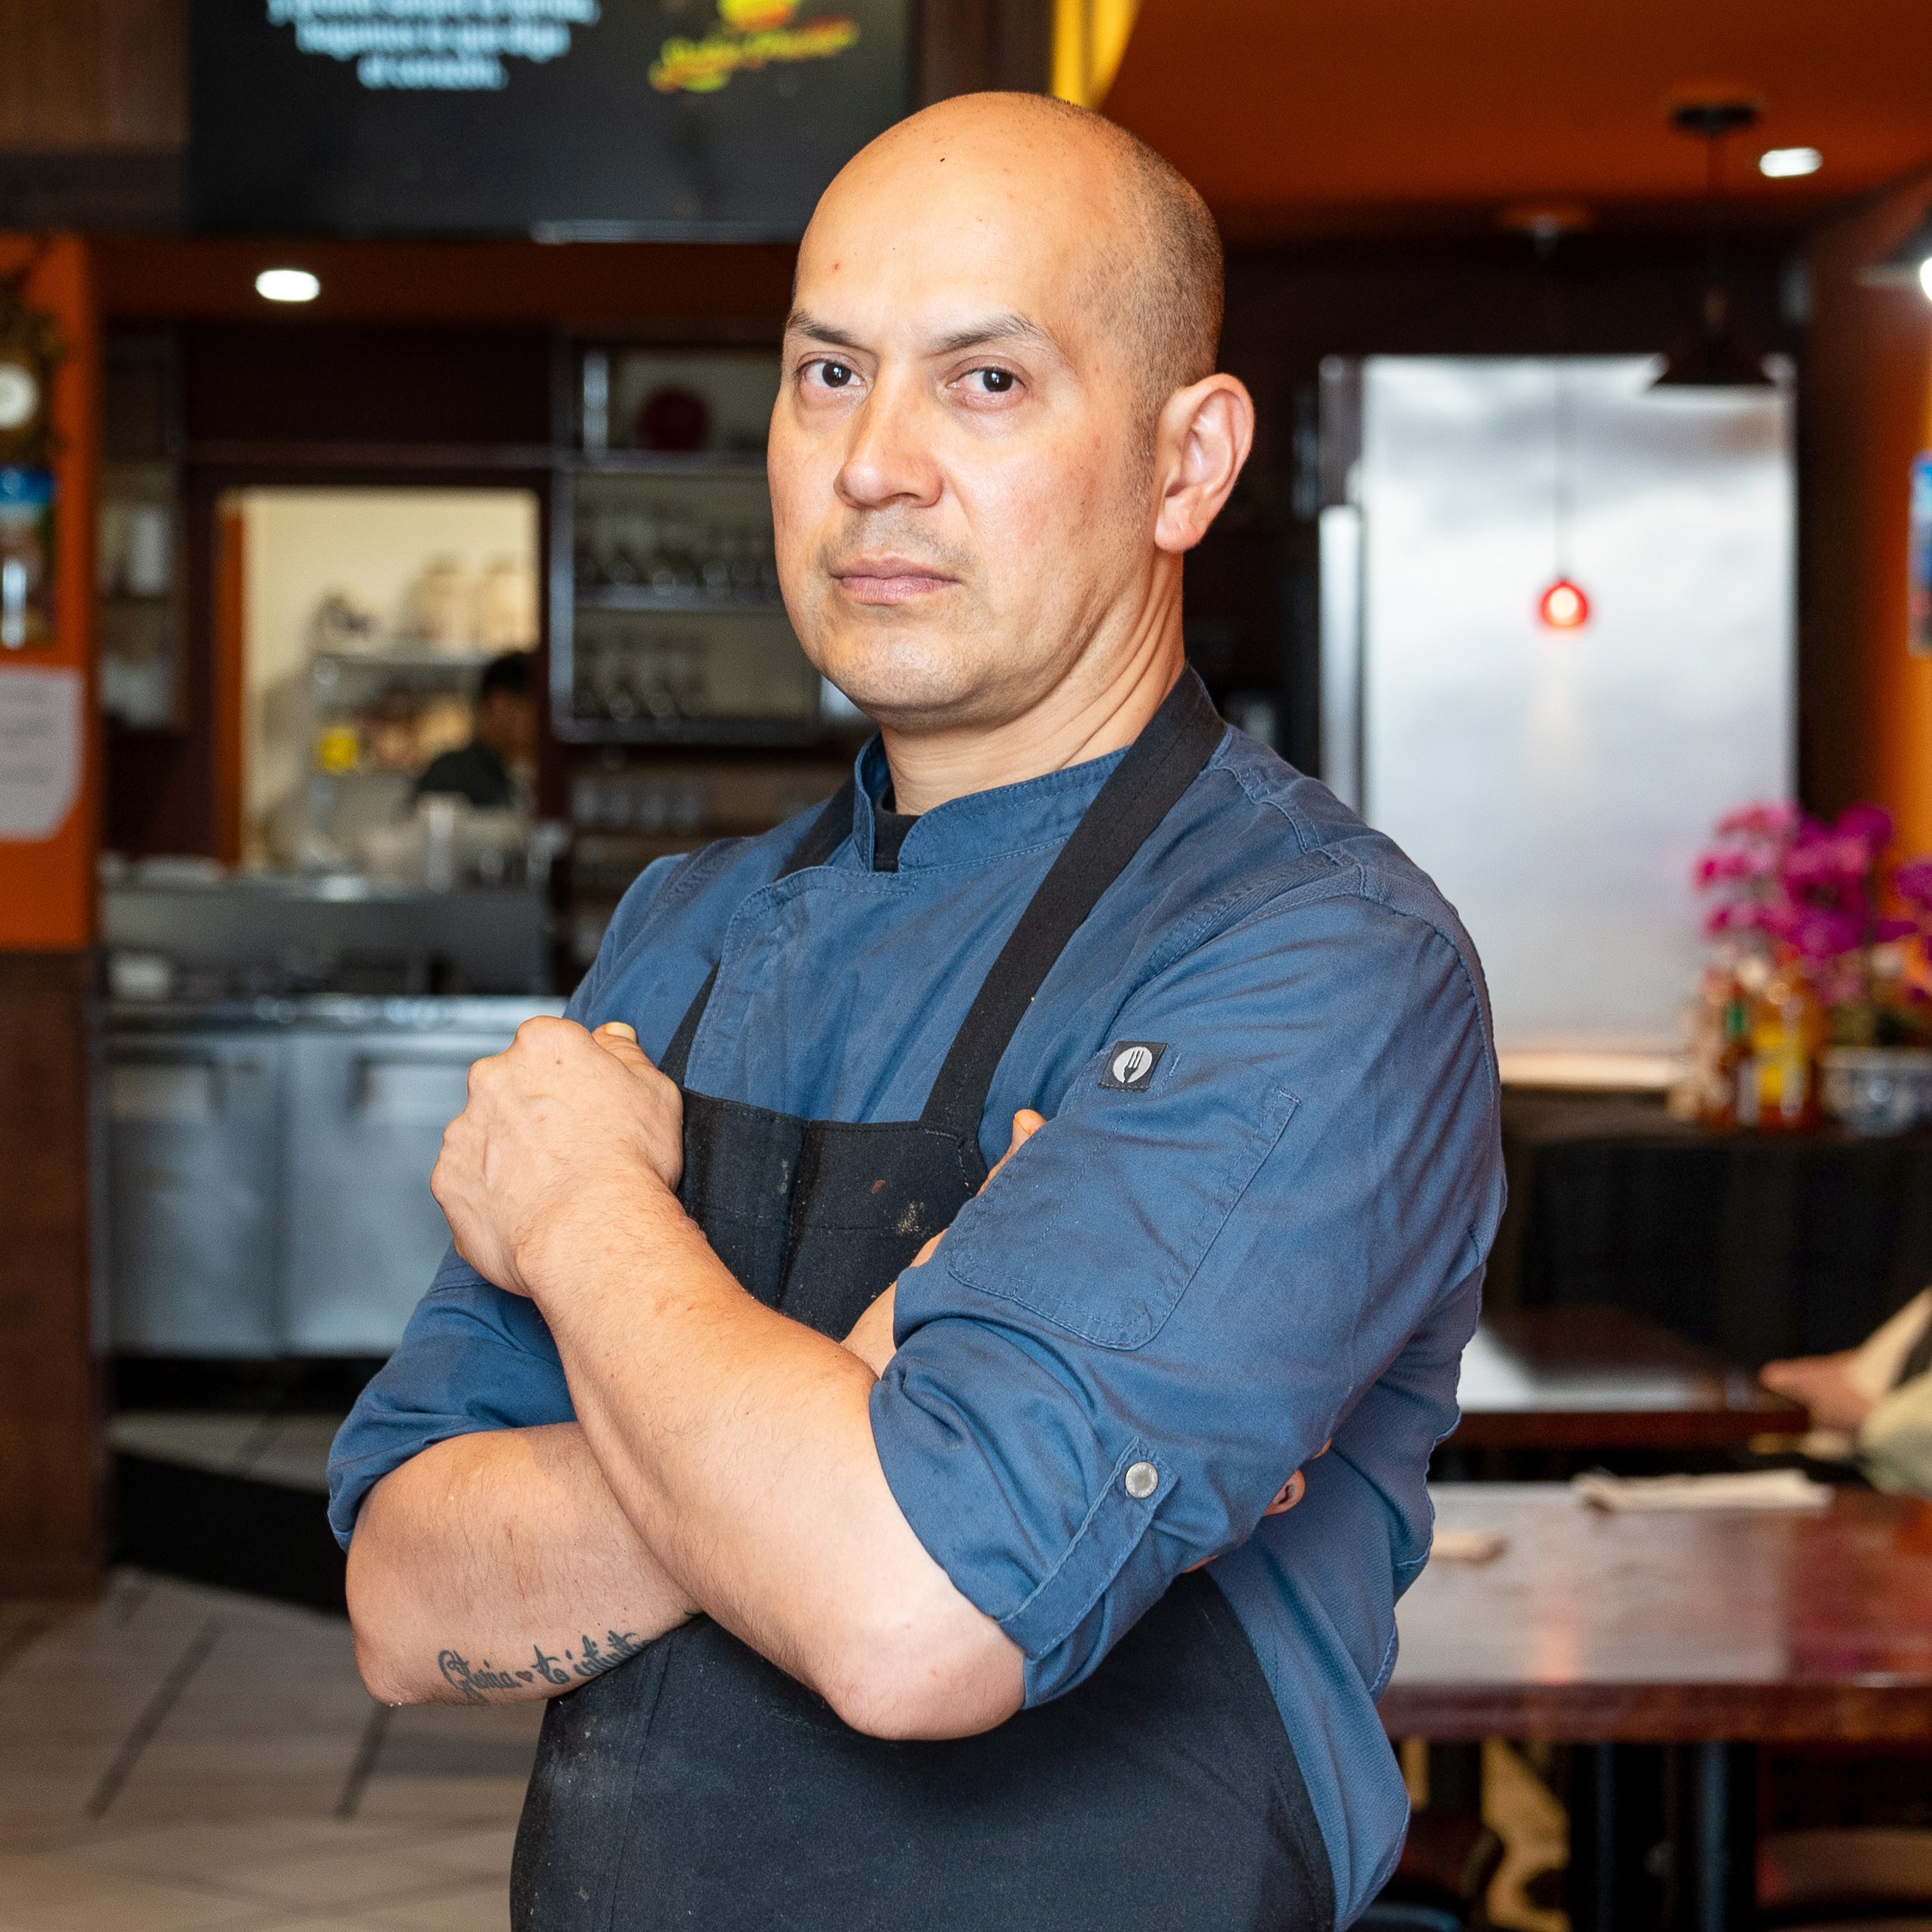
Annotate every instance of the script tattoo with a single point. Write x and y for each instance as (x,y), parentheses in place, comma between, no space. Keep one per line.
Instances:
(475,1682)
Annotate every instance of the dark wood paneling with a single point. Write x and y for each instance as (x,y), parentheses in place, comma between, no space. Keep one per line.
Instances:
(51,1464)
(295,383)
(668,288)
(101,75)
(966,45)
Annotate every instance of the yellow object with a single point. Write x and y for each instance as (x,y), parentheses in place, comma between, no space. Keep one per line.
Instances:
(744,16)
(337,748)
(1089,37)
(751,34)
(1787,1034)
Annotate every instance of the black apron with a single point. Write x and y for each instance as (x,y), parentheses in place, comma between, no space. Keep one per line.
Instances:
(699,1786)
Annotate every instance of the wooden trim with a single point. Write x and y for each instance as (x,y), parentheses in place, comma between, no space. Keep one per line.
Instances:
(966,45)
(229,683)
(52,1466)
(1793,1713)
(375,457)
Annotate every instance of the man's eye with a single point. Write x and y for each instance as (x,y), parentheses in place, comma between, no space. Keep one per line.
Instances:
(997,381)
(834,375)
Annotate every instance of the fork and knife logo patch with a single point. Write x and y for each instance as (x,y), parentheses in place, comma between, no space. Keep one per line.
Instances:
(1131,1064)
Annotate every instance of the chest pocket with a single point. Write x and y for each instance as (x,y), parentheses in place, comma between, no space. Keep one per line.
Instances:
(1099,1223)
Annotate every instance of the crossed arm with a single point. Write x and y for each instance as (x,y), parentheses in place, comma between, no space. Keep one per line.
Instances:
(722,1459)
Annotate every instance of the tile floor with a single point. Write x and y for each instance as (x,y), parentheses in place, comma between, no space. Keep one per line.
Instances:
(176,1758)
(290,1450)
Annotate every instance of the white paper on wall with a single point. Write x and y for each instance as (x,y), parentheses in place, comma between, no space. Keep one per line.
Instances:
(41,715)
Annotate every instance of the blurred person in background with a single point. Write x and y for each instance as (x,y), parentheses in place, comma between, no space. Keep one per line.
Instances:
(503,738)
(1872,1404)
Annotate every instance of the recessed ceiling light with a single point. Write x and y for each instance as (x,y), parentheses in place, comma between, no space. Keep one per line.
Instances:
(1780,163)
(287,285)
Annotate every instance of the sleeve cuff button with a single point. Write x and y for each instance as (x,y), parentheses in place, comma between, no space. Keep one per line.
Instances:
(1140,1481)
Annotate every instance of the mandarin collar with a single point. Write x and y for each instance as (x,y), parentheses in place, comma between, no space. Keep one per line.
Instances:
(982,824)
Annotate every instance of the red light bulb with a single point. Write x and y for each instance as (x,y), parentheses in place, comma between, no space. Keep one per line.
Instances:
(1563,607)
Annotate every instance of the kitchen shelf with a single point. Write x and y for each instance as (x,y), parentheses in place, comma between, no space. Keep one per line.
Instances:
(466,663)
(746,731)
(647,597)
(745,467)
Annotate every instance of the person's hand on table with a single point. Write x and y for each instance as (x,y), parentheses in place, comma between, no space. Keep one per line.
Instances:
(1821,1384)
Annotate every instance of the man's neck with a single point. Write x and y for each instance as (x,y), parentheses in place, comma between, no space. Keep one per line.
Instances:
(1080,720)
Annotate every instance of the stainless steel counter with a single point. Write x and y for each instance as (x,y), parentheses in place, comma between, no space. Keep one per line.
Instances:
(239,933)
(268,1162)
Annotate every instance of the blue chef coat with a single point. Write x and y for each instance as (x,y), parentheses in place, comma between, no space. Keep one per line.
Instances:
(1275,1238)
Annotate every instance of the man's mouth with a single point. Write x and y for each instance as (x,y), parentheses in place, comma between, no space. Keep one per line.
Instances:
(889,579)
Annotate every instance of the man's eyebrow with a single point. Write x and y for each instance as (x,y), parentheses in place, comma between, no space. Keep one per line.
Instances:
(802,322)
(1011,327)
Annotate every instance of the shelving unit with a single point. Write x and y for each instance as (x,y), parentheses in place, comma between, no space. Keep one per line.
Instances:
(667,625)
(139,544)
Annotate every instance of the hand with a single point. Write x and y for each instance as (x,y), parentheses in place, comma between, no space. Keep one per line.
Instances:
(871,1338)
(563,1118)
(1821,1383)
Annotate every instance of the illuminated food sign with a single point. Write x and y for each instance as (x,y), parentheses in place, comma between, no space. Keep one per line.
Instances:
(567,119)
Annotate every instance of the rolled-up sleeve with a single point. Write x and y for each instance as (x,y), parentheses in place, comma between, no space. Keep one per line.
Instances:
(1174,1295)
(471,1358)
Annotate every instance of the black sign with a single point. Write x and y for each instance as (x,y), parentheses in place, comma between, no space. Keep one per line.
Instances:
(594,120)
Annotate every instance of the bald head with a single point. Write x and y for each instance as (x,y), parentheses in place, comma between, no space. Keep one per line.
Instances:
(1000,425)
(1152,264)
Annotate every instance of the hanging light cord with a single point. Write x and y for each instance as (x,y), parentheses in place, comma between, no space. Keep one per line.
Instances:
(1562,504)
(1716,304)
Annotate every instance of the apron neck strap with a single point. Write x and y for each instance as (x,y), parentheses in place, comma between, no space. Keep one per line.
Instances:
(825,835)
(1166,758)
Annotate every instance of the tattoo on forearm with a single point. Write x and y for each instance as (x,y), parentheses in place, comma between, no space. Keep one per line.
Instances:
(475,1682)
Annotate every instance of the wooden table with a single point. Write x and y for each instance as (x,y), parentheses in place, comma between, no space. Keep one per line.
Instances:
(1590,1379)
(1712,1631)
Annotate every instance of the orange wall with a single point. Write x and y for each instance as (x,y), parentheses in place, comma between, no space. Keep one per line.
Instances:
(1866,702)
(47,889)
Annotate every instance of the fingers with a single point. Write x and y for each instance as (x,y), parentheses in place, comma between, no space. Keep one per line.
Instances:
(1288,1495)
(1025,1124)
(619,1041)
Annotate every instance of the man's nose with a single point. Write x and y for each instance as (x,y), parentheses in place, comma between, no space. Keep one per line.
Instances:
(889,458)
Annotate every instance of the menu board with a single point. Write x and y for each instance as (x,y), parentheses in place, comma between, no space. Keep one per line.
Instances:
(569,120)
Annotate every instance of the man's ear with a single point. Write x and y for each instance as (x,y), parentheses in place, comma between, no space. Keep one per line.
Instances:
(1201,439)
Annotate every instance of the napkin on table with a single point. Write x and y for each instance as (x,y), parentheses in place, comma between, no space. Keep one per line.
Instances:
(1756,1490)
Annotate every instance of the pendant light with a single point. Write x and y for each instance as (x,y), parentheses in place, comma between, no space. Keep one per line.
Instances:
(1717,360)
(1563,606)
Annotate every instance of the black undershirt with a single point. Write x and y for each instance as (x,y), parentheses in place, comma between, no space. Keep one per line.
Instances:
(889,833)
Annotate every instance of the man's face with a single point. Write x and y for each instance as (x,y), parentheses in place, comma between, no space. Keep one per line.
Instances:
(961,477)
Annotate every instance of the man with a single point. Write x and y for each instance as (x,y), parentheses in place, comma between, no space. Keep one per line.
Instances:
(504,738)
(916,1631)
(1872,1404)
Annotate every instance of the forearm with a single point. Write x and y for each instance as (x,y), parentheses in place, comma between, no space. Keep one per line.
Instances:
(740,1444)
(498,1566)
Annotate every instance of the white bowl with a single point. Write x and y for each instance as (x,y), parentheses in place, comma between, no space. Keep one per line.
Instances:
(1877,1089)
